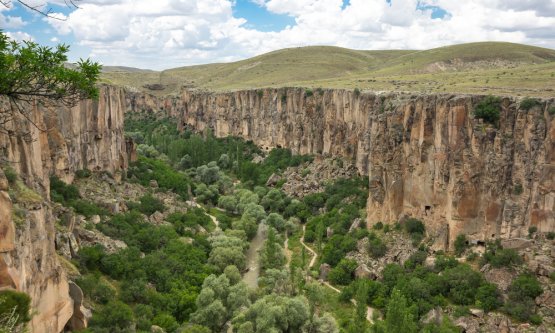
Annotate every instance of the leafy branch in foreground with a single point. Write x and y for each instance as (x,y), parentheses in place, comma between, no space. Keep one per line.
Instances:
(39,8)
(30,72)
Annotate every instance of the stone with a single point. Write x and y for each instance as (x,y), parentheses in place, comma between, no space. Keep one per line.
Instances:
(156,329)
(329,232)
(4,184)
(273,180)
(153,183)
(355,225)
(362,272)
(434,316)
(156,218)
(95,219)
(477,312)
(324,271)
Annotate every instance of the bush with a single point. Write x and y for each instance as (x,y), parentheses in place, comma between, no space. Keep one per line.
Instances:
(528,103)
(308,92)
(115,316)
(414,226)
(84,173)
(461,244)
(499,257)
(488,297)
(488,109)
(149,205)
(550,235)
(15,302)
(343,273)
(376,247)
(357,92)
(10,174)
(378,226)
(532,230)
(551,110)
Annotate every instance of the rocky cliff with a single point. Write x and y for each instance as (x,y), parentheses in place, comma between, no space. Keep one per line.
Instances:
(88,136)
(426,155)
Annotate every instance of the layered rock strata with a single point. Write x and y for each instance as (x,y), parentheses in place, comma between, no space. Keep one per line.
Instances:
(88,136)
(426,156)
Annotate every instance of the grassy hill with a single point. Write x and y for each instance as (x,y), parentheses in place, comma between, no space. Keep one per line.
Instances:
(488,67)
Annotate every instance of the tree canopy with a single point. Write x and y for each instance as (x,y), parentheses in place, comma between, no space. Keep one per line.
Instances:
(29,72)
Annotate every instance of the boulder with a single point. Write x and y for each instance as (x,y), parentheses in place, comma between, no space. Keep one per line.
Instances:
(273,180)
(153,183)
(324,271)
(156,218)
(95,219)
(362,272)
(434,316)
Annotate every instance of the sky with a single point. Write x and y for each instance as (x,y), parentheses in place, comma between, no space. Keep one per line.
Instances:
(161,34)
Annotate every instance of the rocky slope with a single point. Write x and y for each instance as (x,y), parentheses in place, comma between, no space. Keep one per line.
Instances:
(89,136)
(426,155)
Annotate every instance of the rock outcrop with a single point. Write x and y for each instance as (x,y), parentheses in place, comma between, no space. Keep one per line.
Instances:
(426,155)
(88,136)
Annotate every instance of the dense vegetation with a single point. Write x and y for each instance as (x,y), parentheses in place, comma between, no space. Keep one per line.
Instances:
(185,275)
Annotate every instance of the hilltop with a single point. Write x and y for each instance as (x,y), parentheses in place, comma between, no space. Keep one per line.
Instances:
(486,67)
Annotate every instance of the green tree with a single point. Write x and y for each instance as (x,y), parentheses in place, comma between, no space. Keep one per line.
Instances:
(461,244)
(114,315)
(14,308)
(29,71)
(488,297)
(398,315)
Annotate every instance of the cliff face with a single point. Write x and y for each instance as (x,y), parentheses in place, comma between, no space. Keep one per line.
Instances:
(90,136)
(426,156)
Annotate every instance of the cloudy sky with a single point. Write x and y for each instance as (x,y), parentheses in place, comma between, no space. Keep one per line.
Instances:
(160,34)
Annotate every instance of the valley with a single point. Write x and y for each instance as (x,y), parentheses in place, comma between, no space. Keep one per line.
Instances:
(257,198)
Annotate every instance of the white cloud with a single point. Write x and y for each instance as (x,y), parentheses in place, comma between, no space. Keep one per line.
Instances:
(19,36)
(168,33)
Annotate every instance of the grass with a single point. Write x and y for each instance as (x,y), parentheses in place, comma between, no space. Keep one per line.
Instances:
(478,68)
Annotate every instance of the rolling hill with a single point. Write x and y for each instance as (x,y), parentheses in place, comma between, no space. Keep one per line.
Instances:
(487,67)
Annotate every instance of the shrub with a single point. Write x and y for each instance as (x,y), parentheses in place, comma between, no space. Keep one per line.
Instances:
(551,110)
(528,103)
(376,247)
(10,174)
(378,226)
(357,92)
(499,257)
(488,109)
(518,189)
(414,226)
(84,173)
(16,305)
(308,92)
(550,235)
(488,297)
(461,244)
(343,273)
(149,205)
(532,230)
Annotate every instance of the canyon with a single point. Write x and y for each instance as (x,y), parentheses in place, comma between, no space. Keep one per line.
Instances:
(88,136)
(426,157)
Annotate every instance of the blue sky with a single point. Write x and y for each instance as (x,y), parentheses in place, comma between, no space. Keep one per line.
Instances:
(168,33)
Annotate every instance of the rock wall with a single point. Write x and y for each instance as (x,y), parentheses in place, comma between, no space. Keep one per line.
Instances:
(90,136)
(425,155)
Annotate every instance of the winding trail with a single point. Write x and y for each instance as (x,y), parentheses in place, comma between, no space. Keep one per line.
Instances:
(369,310)
(314,255)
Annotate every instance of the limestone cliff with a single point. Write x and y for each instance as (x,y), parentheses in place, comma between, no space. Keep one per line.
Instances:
(90,136)
(426,155)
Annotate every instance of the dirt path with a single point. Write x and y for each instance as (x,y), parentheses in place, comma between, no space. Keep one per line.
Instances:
(369,310)
(287,251)
(314,255)
(253,260)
